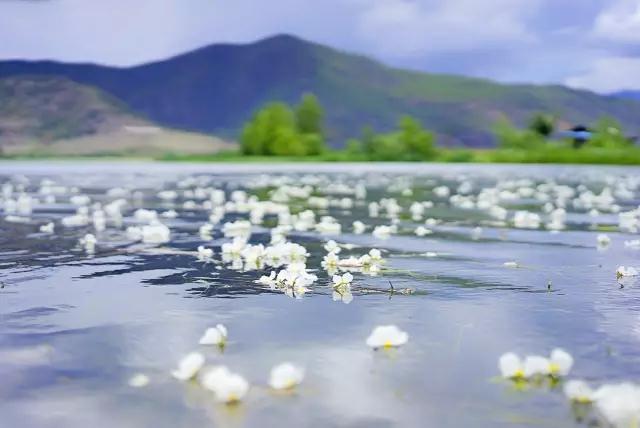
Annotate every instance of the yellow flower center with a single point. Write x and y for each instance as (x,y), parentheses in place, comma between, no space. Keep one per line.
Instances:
(554,368)
(388,344)
(518,374)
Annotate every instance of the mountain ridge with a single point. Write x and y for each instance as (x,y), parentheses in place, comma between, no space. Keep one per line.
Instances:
(216,88)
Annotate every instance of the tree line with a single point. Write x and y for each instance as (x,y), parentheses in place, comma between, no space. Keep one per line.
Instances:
(279,129)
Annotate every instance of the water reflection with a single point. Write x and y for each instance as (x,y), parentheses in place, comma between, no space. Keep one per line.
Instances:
(74,328)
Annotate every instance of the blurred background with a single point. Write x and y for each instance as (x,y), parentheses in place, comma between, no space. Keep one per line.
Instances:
(444,80)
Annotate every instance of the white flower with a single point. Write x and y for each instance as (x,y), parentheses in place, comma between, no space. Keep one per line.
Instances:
(227,387)
(332,247)
(215,336)
(285,376)
(511,366)
(387,336)
(382,231)
(139,380)
(342,294)
(511,264)
(269,280)
(376,255)
(422,231)
(342,280)
(89,243)
(237,229)
(619,404)
(358,227)
(204,253)
(603,240)
(235,247)
(145,216)
(526,220)
(535,365)
(560,362)
(578,391)
(189,366)
(155,233)
(330,261)
(206,230)
(626,271)
(47,228)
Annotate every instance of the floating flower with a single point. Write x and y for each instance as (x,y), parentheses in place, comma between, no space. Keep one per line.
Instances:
(342,294)
(578,391)
(155,233)
(626,271)
(511,264)
(215,336)
(422,231)
(189,366)
(376,256)
(47,228)
(139,381)
(619,404)
(226,386)
(359,227)
(560,362)
(269,280)
(332,247)
(89,243)
(330,261)
(536,365)
(383,232)
(511,366)
(285,376)
(342,280)
(603,240)
(204,253)
(387,336)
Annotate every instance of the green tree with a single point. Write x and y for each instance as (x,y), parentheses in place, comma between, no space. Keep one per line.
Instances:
(272,131)
(414,140)
(608,133)
(542,124)
(310,116)
(510,137)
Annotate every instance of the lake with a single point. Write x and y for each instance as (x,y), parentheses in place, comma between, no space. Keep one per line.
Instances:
(479,260)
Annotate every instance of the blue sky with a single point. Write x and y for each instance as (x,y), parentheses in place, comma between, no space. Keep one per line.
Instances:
(592,44)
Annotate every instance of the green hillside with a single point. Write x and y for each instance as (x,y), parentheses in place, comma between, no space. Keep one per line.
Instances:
(217,88)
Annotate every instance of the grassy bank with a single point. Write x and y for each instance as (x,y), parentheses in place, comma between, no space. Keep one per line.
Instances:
(558,155)
(628,156)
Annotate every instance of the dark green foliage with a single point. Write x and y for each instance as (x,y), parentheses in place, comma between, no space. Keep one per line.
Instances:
(510,137)
(608,134)
(542,124)
(310,115)
(410,142)
(276,130)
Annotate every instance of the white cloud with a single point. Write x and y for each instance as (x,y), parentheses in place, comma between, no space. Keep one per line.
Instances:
(620,22)
(608,75)
(412,28)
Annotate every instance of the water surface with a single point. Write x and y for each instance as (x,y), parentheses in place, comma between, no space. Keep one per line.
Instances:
(74,327)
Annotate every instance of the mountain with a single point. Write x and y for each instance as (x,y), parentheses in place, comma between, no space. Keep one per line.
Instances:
(54,115)
(630,95)
(216,88)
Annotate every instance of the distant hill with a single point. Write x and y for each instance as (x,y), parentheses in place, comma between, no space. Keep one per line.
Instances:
(630,95)
(216,88)
(54,115)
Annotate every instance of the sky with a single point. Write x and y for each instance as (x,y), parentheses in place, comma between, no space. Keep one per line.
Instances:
(592,44)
